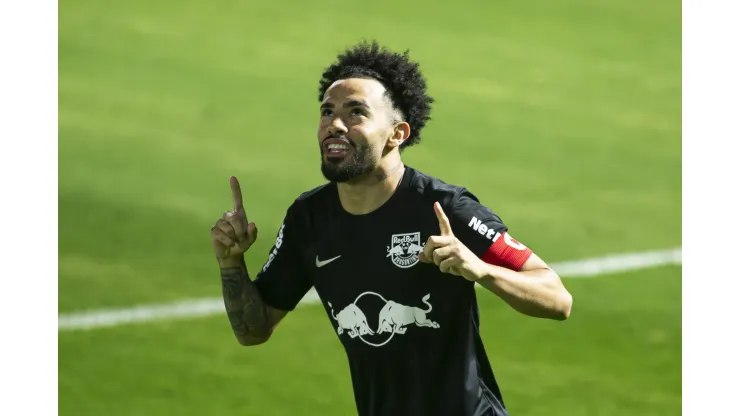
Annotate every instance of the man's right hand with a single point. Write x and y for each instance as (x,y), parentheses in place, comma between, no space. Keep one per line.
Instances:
(232,235)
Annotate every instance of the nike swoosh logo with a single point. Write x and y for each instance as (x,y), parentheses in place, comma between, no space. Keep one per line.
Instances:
(320,263)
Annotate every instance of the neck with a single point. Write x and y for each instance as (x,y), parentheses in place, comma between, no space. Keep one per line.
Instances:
(369,192)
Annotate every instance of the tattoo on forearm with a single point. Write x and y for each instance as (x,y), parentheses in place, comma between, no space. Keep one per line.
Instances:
(243,303)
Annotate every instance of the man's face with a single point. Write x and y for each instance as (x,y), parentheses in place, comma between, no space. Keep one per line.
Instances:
(356,123)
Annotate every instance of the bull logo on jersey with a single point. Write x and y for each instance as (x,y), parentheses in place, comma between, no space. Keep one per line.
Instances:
(393,318)
(404,249)
(352,319)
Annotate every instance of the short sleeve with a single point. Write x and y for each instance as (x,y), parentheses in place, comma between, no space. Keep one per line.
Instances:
(282,281)
(484,232)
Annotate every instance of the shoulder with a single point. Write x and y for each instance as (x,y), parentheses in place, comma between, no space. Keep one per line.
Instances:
(433,189)
(461,205)
(299,215)
(308,208)
(317,192)
(310,199)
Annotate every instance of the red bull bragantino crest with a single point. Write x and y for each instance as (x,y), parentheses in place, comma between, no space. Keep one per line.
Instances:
(404,249)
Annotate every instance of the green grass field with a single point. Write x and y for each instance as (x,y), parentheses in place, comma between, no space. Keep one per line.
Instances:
(573,108)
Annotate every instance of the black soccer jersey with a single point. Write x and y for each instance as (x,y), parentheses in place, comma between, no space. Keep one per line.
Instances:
(411,332)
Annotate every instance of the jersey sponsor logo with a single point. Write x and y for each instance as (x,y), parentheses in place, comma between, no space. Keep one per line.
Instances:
(404,249)
(483,229)
(393,318)
(278,243)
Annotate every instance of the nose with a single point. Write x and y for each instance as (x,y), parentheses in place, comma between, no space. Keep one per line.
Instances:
(337,127)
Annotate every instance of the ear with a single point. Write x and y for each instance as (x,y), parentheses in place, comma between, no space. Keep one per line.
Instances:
(401,132)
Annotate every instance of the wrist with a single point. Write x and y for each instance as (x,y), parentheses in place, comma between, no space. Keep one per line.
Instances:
(231,262)
(477,272)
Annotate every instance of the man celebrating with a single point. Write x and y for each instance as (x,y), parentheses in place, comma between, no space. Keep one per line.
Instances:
(393,253)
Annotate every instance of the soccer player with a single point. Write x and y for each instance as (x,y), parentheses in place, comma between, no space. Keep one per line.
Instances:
(393,253)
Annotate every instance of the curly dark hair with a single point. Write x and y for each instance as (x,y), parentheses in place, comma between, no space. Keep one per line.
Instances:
(400,76)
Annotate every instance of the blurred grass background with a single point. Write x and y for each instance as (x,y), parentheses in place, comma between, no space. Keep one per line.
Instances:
(571,109)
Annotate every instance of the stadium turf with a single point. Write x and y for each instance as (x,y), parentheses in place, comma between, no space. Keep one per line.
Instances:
(564,117)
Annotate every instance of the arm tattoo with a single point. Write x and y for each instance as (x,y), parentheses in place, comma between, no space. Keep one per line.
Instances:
(243,303)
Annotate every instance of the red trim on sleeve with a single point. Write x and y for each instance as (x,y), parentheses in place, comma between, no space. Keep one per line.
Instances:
(507,252)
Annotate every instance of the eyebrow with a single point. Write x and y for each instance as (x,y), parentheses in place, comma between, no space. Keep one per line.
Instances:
(352,103)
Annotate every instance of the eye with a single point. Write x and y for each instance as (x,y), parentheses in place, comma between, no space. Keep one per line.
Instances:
(326,112)
(357,112)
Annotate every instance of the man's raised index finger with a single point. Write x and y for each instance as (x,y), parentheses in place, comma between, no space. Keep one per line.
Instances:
(236,194)
(444,223)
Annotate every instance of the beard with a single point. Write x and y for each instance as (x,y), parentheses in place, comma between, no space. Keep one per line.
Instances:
(361,162)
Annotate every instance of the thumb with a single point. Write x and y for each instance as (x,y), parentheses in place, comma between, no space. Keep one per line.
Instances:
(444,223)
(251,232)
(248,238)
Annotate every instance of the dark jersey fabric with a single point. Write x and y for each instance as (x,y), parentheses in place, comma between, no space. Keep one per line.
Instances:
(411,332)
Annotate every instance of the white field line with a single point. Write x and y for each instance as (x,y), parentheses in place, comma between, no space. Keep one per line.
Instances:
(210,306)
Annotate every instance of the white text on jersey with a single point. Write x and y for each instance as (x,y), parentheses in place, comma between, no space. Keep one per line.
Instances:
(482,229)
(278,243)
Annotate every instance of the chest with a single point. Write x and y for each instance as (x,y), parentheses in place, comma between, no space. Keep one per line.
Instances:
(361,254)
(373,286)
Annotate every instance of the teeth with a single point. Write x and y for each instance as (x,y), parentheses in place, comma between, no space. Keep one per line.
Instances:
(338,147)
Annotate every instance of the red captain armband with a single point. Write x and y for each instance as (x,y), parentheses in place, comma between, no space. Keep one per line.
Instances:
(507,252)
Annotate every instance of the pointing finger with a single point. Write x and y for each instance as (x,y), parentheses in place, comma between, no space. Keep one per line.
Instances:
(236,194)
(444,224)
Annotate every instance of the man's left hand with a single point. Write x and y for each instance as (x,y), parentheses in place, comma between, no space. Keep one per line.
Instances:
(449,253)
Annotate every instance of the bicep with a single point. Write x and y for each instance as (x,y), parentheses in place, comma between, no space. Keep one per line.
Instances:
(534,262)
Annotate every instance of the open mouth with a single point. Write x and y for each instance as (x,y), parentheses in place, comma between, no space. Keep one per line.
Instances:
(336,148)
